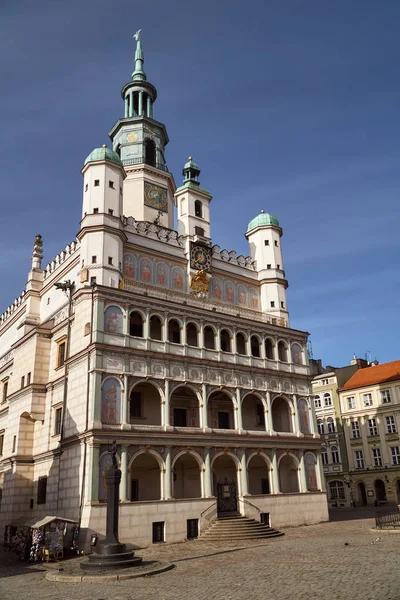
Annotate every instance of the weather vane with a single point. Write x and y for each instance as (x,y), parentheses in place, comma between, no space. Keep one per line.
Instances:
(137,35)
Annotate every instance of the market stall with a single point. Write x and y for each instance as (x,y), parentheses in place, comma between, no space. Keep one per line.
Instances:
(41,540)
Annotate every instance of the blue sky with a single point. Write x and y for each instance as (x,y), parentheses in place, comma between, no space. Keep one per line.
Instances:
(290,106)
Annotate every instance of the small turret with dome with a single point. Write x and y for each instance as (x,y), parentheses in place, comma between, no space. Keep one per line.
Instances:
(193,203)
(104,154)
(264,234)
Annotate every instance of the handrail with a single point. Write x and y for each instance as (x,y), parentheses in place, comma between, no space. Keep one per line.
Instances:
(387,517)
(250,504)
(203,514)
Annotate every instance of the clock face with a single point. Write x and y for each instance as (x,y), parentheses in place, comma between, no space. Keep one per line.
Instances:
(200,258)
(155,197)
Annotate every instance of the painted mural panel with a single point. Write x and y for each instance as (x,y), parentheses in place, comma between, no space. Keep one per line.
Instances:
(130,266)
(229,295)
(111,401)
(113,320)
(311,472)
(177,279)
(216,288)
(242,295)
(162,275)
(104,464)
(304,419)
(155,196)
(297,354)
(146,270)
(254,299)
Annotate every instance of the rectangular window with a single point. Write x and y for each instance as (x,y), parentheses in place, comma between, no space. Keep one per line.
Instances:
(377,458)
(180,417)
(41,490)
(276,243)
(61,354)
(14,446)
(269,266)
(110,260)
(260,417)
(23,381)
(1,443)
(96,182)
(192,529)
(111,185)
(386,399)
(367,399)
(94,260)
(110,211)
(57,421)
(135,405)
(395,451)
(93,281)
(278,267)
(282,305)
(359,459)
(199,230)
(324,381)
(336,489)
(390,424)
(223,420)
(158,532)
(317,402)
(95,211)
(28,379)
(351,402)
(372,427)
(5,390)
(335,455)
(266,242)
(134,490)
(272,304)
(324,456)
(355,430)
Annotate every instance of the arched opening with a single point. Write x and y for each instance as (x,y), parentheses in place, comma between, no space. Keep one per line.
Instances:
(224,469)
(174,331)
(327,399)
(220,411)
(255,346)
(258,475)
(145,478)
(361,494)
(282,352)
(150,152)
(324,455)
(145,405)
(191,335)
(331,425)
(335,455)
(225,340)
(288,475)
(297,354)
(281,418)
(253,416)
(198,209)
(321,427)
(269,349)
(380,490)
(209,338)
(87,329)
(155,328)
(136,324)
(184,408)
(240,343)
(186,473)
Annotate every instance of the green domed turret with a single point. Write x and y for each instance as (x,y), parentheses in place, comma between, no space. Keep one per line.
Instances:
(104,153)
(261,220)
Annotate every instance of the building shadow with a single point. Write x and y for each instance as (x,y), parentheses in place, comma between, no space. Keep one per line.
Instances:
(352,514)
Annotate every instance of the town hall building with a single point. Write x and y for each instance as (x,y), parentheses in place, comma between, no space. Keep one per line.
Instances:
(157,338)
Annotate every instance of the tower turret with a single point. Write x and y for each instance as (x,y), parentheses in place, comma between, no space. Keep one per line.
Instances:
(193,204)
(264,234)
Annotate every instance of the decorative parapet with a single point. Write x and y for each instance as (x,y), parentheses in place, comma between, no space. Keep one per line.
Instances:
(6,358)
(231,257)
(154,231)
(13,307)
(61,258)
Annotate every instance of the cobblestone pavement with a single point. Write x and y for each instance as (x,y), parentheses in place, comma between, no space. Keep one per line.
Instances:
(331,561)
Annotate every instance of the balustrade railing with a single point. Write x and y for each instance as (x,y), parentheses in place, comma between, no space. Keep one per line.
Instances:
(141,160)
(387,518)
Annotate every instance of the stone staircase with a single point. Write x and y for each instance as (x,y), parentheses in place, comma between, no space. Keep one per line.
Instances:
(235,527)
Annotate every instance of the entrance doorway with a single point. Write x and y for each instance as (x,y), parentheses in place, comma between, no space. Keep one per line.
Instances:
(380,491)
(362,494)
(226,497)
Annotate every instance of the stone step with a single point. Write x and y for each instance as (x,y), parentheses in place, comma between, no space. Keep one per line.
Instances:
(222,538)
(239,528)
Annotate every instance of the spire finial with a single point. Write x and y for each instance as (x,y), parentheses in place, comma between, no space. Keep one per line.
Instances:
(138,74)
(37,253)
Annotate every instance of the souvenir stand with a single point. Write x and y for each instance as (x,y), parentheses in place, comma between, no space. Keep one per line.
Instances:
(43,539)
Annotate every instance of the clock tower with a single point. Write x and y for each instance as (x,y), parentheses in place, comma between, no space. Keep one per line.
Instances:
(140,140)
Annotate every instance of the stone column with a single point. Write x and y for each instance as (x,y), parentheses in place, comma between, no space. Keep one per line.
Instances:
(207,473)
(148,106)
(303,480)
(124,474)
(243,473)
(126,107)
(201,336)
(248,343)
(126,404)
(131,106)
(140,109)
(167,475)
(96,400)
(275,474)
(320,473)
(238,412)
(268,415)
(183,335)
(165,412)
(146,328)
(295,421)
(203,409)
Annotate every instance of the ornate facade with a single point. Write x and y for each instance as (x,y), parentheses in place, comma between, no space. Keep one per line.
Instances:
(180,351)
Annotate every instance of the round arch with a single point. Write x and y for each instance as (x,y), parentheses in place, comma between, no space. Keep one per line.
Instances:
(153,453)
(186,386)
(288,473)
(150,382)
(263,455)
(226,391)
(292,455)
(196,456)
(257,395)
(137,310)
(108,377)
(258,469)
(281,414)
(222,453)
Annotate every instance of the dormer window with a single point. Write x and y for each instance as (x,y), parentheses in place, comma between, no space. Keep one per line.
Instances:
(198,209)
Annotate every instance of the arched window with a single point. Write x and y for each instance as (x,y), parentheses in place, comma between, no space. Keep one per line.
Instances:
(331,425)
(335,455)
(282,352)
(240,343)
(317,402)
(150,152)
(87,328)
(328,399)
(136,324)
(336,490)
(209,338)
(225,339)
(198,209)
(269,349)
(174,332)
(324,455)
(155,328)
(191,335)
(255,346)
(321,428)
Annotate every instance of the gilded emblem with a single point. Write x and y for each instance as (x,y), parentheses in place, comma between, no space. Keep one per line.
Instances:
(200,282)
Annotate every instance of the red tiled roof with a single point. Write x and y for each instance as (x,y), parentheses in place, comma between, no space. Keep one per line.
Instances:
(373,375)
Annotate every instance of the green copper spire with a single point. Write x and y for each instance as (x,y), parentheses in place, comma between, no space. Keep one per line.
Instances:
(191,172)
(138,74)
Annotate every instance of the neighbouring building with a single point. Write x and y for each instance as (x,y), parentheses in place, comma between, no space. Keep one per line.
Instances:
(159,339)
(370,406)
